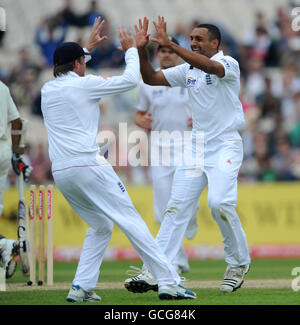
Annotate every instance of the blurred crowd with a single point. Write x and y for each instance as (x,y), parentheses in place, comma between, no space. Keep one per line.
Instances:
(269,57)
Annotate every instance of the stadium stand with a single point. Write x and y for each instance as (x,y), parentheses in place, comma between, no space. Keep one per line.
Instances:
(258,33)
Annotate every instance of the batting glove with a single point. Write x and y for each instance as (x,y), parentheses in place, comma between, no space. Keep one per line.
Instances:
(19,165)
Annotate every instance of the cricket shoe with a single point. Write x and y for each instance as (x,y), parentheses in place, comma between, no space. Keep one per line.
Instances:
(77,294)
(175,292)
(234,278)
(143,280)
(9,249)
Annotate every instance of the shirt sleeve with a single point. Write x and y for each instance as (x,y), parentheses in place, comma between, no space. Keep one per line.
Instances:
(176,76)
(87,55)
(231,67)
(142,102)
(98,87)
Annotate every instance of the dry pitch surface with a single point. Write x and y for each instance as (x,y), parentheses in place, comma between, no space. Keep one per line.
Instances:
(256,284)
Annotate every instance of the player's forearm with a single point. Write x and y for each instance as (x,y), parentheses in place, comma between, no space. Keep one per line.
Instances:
(197,60)
(15,139)
(147,70)
(131,74)
(117,84)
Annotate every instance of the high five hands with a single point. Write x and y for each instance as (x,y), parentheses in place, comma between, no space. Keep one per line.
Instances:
(142,35)
(95,38)
(126,39)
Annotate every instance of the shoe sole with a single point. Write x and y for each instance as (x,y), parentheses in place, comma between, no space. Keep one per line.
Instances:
(234,289)
(69,299)
(140,286)
(10,268)
(91,300)
(167,296)
(84,300)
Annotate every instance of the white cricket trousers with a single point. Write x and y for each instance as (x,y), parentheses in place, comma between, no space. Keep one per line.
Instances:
(162,180)
(98,196)
(5,157)
(221,166)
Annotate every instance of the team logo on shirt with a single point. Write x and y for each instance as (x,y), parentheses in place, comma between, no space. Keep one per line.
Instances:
(208,79)
(226,62)
(157,92)
(121,187)
(190,82)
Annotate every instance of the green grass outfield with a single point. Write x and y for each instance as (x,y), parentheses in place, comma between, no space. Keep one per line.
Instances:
(268,283)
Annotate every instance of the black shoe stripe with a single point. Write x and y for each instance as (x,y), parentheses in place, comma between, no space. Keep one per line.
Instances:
(228,284)
(230,280)
(225,282)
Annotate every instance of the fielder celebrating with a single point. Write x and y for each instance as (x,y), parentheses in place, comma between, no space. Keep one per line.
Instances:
(161,108)
(70,106)
(213,83)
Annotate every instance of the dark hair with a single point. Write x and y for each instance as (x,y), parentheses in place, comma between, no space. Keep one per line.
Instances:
(64,68)
(213,31)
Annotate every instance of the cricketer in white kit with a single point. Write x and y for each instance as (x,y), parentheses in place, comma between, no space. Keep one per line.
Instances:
(10,153)
(70,107)
(167,109)
(213,83)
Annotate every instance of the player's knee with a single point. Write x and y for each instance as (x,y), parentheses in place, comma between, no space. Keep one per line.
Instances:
(215,203)
(178,211)
(106,229)
(172,209)
(221,209)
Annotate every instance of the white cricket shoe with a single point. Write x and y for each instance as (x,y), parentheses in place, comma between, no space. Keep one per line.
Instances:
(143,280)
(9,249)
(175,292)
(77,294)
(234,278)
(192,228)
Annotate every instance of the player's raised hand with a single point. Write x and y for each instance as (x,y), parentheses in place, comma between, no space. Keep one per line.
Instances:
(141,33)
(161,29)
(95,37)
(126,39)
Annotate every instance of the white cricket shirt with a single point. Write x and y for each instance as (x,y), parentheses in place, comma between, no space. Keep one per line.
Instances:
(216,108)
(8,111)
(170,106)
(70,107)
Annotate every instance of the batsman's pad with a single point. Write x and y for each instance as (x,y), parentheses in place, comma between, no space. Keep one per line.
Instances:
(22,238)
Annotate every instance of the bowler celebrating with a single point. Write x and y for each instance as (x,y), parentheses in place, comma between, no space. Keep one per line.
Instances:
(213,83)
(166,109)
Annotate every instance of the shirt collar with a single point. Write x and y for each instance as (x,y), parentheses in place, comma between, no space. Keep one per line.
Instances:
(217,55)
(70,74)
